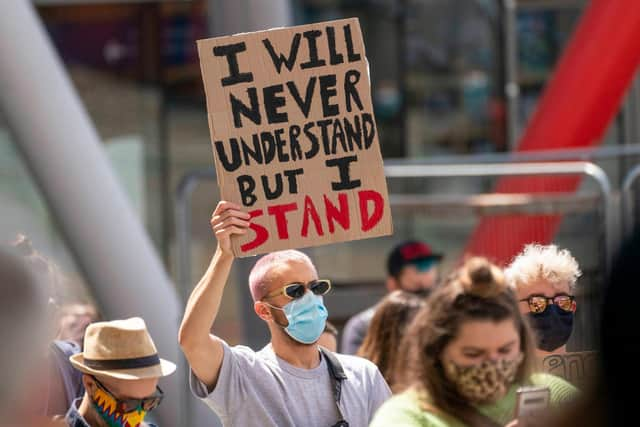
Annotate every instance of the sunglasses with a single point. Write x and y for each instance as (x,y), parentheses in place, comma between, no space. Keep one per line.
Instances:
(297,290)
(539,303)
(129,405)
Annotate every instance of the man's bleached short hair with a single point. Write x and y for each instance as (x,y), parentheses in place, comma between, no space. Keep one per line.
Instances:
(543,263)
(259,276)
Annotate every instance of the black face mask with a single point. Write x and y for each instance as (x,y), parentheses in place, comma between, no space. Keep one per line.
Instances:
(553,327)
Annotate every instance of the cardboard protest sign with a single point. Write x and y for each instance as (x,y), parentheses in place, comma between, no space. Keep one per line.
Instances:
(294,137)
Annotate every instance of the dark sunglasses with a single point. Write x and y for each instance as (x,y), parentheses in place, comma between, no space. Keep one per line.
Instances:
(539,303)
(297,290)
(129,405)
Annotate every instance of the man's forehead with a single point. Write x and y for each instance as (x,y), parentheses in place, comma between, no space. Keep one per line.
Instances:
(543,287)
(289,271)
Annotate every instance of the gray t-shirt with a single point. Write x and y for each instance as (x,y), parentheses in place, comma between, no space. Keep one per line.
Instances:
(355,330)
(260,389)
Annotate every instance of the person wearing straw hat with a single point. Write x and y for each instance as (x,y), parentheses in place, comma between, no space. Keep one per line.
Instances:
(292,381)
(121,368)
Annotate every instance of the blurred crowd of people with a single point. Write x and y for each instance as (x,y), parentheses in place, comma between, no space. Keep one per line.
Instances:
(454,349)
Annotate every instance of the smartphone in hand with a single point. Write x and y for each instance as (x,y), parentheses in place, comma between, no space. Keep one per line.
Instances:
(532,401)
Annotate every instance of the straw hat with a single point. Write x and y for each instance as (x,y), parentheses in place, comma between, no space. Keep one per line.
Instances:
(121,349)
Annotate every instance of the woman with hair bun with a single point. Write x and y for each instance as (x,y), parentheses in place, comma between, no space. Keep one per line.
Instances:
(469,349)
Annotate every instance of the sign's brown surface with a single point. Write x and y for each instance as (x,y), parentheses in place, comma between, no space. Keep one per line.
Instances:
(294,137)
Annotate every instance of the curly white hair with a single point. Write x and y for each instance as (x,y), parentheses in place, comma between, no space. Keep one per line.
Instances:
(543,262)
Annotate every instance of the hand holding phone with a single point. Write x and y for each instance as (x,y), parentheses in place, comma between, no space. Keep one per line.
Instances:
(532,401)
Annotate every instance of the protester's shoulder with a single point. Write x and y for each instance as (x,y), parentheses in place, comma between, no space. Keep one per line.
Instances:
(404,410)
(240,349)
(406,401)
(561,390)
(363,375)
(65,347)
(242,353)
(362,318)
(367,315)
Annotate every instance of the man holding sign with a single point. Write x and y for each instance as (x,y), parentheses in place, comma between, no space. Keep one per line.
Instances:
(292,381)
(298,164)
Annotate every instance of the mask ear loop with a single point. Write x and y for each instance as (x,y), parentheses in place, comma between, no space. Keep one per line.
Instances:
(274,318)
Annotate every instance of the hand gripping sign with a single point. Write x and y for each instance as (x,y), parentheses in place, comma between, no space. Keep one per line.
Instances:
(294,137)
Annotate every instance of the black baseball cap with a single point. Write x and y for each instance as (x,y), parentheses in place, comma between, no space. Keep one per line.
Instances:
(411,252)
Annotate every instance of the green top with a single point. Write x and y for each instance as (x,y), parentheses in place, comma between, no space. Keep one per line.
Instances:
(403,410)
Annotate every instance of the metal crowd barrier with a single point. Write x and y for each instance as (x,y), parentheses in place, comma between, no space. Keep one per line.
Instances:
(394,170)
(444,166)
(522,169)
(629,200)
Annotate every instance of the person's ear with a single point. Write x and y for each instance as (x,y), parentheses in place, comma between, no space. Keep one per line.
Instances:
(392,284)
(262,310)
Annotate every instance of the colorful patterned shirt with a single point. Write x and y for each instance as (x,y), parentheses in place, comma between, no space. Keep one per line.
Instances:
(74,419)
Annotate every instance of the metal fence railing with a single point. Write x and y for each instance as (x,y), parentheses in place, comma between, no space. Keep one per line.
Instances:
(629,200)
(395,170)
(444,207)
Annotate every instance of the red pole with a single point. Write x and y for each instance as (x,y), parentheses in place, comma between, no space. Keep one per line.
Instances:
(580,100)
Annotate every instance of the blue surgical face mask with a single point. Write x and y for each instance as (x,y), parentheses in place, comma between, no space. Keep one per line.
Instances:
(306,316)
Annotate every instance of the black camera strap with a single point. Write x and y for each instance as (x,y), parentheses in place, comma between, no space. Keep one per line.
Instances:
(337,375)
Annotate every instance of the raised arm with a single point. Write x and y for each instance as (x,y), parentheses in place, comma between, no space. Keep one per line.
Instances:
(204,350)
